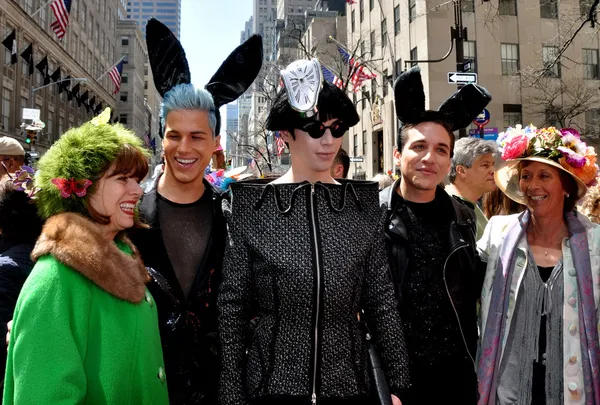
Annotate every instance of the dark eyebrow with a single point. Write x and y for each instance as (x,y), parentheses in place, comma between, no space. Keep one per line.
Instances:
(445,145)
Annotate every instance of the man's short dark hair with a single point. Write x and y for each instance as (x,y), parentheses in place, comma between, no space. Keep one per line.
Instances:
(19,221)
(343,159)
(428,116)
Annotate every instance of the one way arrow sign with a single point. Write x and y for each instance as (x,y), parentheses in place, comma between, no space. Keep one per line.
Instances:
(462,78)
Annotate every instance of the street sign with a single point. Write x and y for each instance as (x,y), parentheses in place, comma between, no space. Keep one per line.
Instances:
(31,114)
(489,134)
(462,78)
(482,119)
(357,159)
(466,65)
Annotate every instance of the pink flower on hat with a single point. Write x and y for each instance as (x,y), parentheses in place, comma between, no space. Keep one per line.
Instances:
(515,147)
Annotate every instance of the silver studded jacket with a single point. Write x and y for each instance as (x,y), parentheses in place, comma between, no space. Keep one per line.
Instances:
(301,261)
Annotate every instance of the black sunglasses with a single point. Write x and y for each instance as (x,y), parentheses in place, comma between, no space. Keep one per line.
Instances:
(316,129)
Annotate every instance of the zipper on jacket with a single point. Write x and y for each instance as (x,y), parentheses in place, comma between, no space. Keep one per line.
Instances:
(313,216)
(462,333)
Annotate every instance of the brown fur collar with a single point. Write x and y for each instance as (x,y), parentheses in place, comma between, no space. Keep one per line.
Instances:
(77,242)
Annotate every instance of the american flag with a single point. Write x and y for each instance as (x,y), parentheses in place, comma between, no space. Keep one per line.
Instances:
(146,139)
(350,1)
(357,71)
(332,78)
(280,143)
(61,10)
(115,76)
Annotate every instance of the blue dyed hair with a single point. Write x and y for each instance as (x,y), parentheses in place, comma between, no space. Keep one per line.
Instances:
(187,97)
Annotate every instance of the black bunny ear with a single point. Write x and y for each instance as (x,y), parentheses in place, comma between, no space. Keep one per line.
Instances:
(464,105)
(409,96)
(167,57)
(238,72)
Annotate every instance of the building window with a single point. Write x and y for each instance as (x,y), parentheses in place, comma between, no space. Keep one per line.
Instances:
(123,96)
(6,97)
(355,144)
(396,20)
(385,83)
(124,41)
(398,67)
(468,6)
(507,7)
(365,98)
(372,44)
(549,8)
(513,115)
(353,20)
(124,78)
(552,119)
(364,141)
(363,50)
(551,63)
(412,10)
(470,53)
(362,10)
(383,33)
(584,7)
(414,55)
(373,90)
(371,4)
(510,59)
(592,122)
(590,64)
(123,119)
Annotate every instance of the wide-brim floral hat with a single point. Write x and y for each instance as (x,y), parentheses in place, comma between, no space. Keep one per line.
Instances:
(562,149)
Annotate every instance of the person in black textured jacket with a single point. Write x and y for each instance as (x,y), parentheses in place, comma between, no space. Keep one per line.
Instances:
(430,239)
(20,226)
(305,255)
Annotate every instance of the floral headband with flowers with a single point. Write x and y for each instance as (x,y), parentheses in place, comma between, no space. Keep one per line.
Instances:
(563,146)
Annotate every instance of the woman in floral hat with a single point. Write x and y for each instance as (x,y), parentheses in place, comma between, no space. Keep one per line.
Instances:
(85,329)
(539,314)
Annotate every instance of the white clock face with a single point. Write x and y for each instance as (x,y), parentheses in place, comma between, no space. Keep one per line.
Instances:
(302,81)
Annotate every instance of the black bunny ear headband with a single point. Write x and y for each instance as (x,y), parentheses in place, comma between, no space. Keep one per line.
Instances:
(170,67)
(458,110)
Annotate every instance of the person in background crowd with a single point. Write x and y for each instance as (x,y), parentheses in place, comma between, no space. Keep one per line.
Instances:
(497,203)
(305,255)
(184,246)
(472,174)
(12,155)
(430,238)
(590,205)
(85,328)
(341,165)
(383,180)
(539,304)
(20,227)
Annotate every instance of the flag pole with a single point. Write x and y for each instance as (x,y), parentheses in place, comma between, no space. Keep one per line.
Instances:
(40,9)
(110,68)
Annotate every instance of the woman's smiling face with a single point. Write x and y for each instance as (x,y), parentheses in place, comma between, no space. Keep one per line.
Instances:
(543,189)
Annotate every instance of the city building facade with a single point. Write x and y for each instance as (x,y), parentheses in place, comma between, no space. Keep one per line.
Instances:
(42,62)
(511,46)
(166,11)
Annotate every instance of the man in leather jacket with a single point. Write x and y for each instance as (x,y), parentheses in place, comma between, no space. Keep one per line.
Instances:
(430,238)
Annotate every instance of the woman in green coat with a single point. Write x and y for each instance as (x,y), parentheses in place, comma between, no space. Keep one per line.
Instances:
(85,328)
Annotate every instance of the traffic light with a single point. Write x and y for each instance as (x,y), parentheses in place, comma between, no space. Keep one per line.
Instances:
(30,138)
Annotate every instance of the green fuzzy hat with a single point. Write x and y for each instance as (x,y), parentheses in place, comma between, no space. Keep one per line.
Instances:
(82,153)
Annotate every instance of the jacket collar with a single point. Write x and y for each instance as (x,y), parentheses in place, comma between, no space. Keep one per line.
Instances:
(460,214)
(148,205)
(78,243)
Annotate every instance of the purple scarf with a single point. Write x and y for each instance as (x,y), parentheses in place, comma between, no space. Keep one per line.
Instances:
(495,327)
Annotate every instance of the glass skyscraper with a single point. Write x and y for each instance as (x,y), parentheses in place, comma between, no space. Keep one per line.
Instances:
(166,11)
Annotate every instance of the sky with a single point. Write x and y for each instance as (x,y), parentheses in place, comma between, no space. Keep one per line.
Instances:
(210,30)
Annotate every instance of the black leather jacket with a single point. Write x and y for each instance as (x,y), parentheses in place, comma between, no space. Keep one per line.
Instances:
(303,260)
(460,269)
(188,328)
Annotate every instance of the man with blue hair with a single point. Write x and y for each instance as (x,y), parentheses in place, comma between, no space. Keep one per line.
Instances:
(183,247)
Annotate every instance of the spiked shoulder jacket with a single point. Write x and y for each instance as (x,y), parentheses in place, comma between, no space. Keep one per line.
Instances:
(301,261)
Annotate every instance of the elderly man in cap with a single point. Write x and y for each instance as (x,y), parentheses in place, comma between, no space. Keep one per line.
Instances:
(12,154)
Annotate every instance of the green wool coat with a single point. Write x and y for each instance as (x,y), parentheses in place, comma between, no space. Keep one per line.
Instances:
(85,328)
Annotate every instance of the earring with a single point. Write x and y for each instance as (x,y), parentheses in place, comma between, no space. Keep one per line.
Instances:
(567,195)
